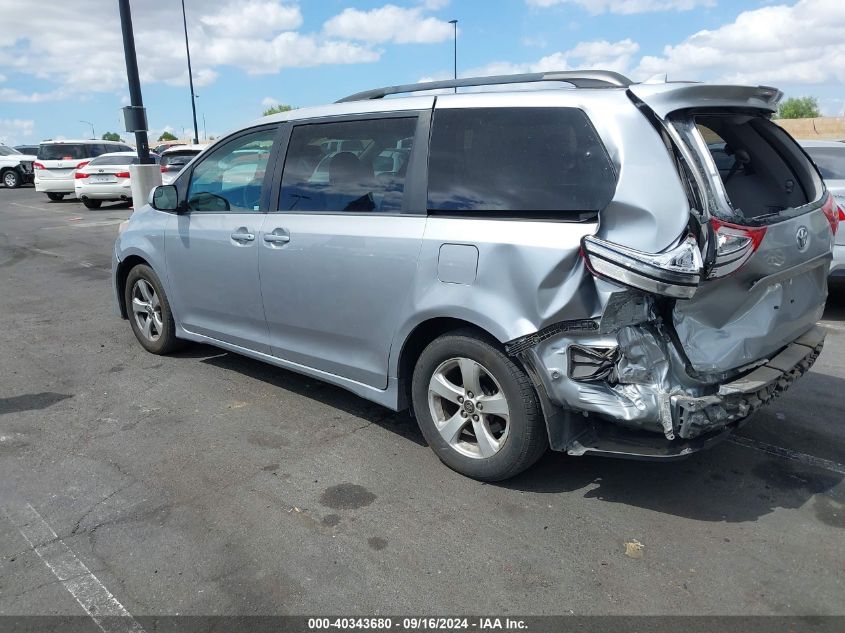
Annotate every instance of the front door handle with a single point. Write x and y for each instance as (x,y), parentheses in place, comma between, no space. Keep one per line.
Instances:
(276,238)
(243,237)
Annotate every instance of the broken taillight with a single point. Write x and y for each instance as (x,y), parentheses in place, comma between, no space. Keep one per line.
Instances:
(673,273)
(735,245)
(833,213)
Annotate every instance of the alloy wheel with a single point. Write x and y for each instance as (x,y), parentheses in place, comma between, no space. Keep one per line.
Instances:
(469,408)
(146,308)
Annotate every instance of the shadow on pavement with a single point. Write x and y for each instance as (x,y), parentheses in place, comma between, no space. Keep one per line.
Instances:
(400,423)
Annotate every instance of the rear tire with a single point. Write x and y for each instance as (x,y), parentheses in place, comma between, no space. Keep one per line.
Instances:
(56,197)
(476,408)
(149,311)
(92,204)
(12,179)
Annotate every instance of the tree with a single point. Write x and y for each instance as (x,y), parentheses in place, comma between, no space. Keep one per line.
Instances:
(167,136)
(112,136)
(799,108)
(276,109)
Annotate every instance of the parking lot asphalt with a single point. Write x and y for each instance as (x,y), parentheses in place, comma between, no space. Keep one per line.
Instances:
(207,483)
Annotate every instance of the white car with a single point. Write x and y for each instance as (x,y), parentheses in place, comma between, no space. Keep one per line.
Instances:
(829,157)
(104,179)
(15,168)
(58,161)
(173,159)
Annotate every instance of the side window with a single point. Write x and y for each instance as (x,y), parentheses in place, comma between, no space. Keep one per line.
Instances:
(517,160)
(230,178)
(348,166)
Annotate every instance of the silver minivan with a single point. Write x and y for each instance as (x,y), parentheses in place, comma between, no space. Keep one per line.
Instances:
(568,267)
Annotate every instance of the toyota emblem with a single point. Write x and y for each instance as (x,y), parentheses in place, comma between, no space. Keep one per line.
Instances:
(802,237)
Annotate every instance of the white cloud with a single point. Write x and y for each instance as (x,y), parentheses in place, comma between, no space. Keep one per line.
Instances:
(269,102)
(597,54)
(388,24)
(627,6)
(798,44)
(256,36)
(13,131)
(256,18)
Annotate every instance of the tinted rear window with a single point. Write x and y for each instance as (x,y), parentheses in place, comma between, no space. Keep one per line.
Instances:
(66,151)
(178,158)
(518,160)
(829,160)
(114,160)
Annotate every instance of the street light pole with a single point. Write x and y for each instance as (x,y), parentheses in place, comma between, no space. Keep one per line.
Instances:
(190,74)
(134,80)
(93,133)
(454,23)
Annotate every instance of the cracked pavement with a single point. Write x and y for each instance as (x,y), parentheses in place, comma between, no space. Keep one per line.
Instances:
(206,483)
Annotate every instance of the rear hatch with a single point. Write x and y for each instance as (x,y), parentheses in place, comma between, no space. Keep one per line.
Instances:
(765,225)
(173,162)
(106,170)
(59,160)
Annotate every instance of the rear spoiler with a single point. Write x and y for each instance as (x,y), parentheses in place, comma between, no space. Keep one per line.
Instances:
(665,98)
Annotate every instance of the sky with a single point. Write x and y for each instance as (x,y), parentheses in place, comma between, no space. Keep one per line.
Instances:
(61,62)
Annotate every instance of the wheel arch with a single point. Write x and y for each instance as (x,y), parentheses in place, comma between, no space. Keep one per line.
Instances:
(419,338)
(123,268)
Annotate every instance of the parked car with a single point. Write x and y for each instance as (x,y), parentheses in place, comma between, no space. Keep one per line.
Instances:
(158,149)
(29,150)
(15,167)
(829,157)
(173,159)
(561,267)
(58,161)
(106,178)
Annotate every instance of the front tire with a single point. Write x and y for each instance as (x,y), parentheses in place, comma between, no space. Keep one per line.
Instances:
(12,179)
(92,204)
(149,311)
(476,408)
(56,197)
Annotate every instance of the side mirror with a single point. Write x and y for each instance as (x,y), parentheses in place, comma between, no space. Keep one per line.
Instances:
(164,198)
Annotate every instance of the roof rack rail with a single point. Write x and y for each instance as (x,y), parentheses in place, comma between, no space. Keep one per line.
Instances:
(578,78)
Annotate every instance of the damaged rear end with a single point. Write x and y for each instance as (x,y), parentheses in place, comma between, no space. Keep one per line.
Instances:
(693,339)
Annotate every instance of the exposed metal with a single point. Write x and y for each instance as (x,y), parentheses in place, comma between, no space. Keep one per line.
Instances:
(577,78)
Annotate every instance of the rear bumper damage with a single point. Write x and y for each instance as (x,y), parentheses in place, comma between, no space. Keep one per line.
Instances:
(622,388)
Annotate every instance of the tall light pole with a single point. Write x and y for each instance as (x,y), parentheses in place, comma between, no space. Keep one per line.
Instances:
(93,133)
(454,23)
(135,114)
(190,75)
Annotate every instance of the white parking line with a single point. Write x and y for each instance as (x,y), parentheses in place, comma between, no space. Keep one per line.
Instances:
(833,326)
(786,453)
(90,593)
(27,206)
(83,225)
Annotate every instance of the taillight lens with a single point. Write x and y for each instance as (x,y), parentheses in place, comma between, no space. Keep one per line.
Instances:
(673,273)
(833,213)
(735,245)
(82,164)
(80,174)
(122,174)
(163,169)
(38,166)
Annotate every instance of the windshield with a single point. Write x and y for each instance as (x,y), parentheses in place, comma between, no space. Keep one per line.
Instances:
(8,151)
(829,160)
